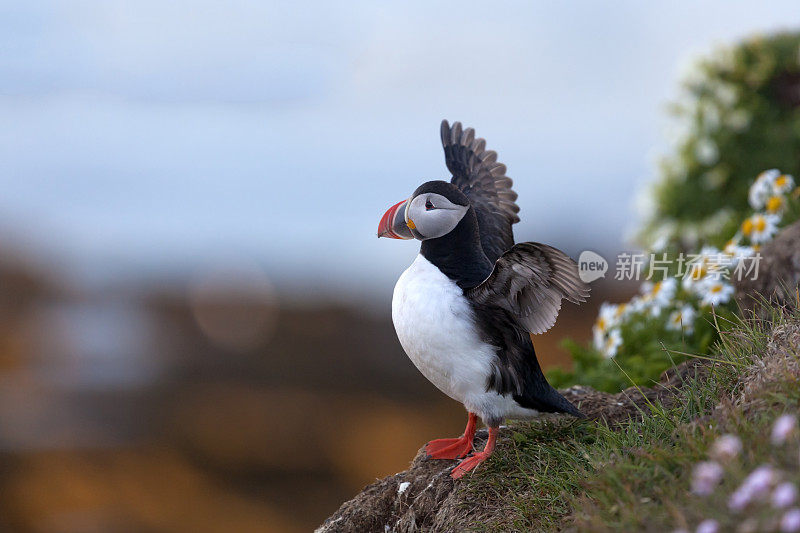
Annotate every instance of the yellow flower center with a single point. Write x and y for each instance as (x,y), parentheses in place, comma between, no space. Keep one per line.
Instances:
(698,272)
(760,224)
(716,288)
(774,204)
(747,227)
(656,288)
(781,180)
(601,324)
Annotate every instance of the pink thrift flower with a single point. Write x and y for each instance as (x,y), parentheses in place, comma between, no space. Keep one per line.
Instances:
(784,495)
(782,429)
(705,477)
(755,486)
(761,479)
(726,447)
(790,522)
(707,526)
(739,499)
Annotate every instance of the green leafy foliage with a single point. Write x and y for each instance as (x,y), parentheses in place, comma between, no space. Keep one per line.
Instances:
(714,201)
(649,348)
(739,113)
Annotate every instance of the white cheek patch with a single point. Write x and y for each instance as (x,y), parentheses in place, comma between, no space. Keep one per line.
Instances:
(439,222)
(436,222)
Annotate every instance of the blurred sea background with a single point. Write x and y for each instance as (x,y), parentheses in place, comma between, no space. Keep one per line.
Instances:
(195,327)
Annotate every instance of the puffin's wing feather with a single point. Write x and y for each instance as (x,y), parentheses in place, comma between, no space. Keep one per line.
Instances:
(529,281)
(479,176)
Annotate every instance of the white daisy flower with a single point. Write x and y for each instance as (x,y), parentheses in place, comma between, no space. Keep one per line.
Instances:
(598,339)
(714,291)
(758,194)
(775,204)
(640,304)
(769,176)
(715,261)
(621,311)
(737,252)
(768,189)
(682,319)
(689,282)
(663,291)
(657,295)
(782,184)
(760,228)
(612,343)
(609,312)
(609,317)
(762,188)
(709,263)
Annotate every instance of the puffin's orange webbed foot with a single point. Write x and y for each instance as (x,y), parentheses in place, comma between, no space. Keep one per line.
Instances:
(453,448)
(470,463)
(449,448)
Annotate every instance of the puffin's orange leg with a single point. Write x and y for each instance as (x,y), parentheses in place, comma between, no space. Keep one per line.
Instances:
(471,462)
(454,448)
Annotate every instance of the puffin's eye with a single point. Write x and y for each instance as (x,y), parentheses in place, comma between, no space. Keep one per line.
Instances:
(429,205)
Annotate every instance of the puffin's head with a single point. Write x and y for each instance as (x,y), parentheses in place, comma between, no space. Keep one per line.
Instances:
(434,210)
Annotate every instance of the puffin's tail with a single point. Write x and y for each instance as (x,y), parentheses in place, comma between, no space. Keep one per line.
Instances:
(539,394)
(562,405)
(547,400)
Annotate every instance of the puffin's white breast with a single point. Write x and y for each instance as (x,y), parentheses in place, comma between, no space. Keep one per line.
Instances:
(436,327)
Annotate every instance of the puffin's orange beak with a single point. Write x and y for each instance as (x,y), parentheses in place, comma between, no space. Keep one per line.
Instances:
(393,223)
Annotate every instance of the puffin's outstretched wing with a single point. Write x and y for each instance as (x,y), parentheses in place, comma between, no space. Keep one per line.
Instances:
(529,281)
(478,174)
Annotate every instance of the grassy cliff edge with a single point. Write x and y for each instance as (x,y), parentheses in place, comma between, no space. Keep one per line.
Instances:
(628,468)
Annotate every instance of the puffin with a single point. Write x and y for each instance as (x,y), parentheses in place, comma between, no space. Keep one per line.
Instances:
(467,307)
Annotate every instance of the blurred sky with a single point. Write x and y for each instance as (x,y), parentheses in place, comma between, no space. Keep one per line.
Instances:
(146,138)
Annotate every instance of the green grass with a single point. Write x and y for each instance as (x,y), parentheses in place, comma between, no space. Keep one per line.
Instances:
(636,476)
